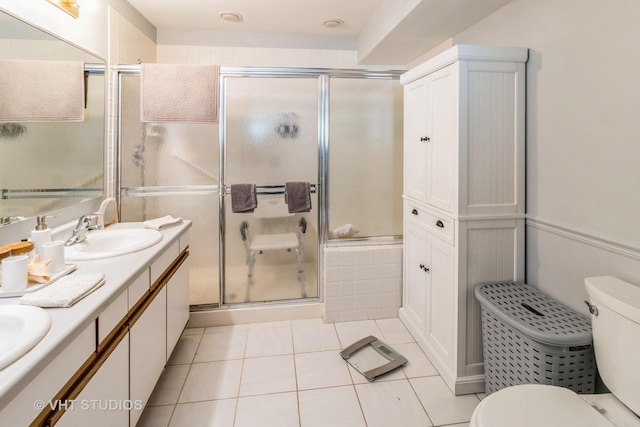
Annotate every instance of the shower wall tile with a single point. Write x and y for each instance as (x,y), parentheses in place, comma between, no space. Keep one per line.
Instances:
(253,56)
(362,282)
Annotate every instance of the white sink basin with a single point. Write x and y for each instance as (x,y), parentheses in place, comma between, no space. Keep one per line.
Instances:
(21,328)
(109,243)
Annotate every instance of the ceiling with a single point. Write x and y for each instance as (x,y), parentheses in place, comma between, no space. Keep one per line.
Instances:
(260,16)
(384,31)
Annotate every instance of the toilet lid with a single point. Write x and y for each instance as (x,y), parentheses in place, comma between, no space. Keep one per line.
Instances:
(535,405)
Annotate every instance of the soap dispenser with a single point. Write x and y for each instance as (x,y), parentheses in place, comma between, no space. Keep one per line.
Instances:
(41,234)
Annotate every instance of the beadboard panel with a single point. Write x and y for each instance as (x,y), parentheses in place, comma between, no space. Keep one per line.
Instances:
(491,145)
(494,248)
(494,119)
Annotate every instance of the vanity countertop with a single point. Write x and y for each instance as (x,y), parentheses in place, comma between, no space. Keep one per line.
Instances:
(68,323)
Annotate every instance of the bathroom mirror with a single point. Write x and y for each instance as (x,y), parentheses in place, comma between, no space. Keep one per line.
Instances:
(50,165)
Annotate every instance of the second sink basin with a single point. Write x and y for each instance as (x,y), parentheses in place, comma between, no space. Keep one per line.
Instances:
(21,328)
(109,243)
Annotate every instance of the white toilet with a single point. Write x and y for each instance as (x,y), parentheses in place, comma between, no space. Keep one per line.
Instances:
(615,320)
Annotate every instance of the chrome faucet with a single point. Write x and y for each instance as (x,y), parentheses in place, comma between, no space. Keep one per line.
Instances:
(85,224)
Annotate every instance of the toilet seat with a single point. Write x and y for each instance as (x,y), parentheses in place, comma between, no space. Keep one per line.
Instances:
(535,405)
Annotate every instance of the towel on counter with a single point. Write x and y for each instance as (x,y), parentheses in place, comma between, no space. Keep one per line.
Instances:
(162,223)
(298,196)
(65,291)
(179,93)
(243,198)
(41,91)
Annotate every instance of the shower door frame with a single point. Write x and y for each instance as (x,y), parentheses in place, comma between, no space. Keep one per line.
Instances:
(323,75)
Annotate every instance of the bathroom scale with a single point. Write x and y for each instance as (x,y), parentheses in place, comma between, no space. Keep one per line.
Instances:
(372,358)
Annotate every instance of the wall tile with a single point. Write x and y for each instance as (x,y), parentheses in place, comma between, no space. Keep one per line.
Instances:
(362,282)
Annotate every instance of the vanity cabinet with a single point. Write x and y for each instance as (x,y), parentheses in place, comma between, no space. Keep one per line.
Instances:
(463,198)
(177,306)
(148,354)
(107,374)
(104,401)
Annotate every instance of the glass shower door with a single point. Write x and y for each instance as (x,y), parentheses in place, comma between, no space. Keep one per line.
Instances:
(270,137)
(172,169)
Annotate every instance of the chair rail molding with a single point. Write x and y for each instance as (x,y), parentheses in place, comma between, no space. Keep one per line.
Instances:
(609,243)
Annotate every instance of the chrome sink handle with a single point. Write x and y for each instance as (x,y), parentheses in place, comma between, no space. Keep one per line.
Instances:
(85,224)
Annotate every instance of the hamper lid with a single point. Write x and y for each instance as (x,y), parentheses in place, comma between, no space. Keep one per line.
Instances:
(535,314)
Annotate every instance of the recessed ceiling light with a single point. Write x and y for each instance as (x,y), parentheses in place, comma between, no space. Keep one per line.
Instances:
(333,23)
(231,16)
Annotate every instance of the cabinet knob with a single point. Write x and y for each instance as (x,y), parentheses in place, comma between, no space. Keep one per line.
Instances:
(421,266)
(439,224)
(424,139)
(415,212)
(425,269)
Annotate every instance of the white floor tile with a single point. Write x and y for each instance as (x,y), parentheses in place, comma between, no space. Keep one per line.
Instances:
(322,369)
(307,322)
(314,337)
(334,407)
(265,375)
(350,332)
(391,403)
(221,346)
(443,406)
(185,350)
(226,328)
(269,342)
(169,385)
(213,413)
(393,331)
(156,416)
(212,380)
(419,364)
(270,361)
(270,410)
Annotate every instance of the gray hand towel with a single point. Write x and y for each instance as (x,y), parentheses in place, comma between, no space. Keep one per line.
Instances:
(243,198)
(298,196)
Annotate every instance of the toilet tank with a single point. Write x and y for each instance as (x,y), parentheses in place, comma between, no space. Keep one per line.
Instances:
(616,336)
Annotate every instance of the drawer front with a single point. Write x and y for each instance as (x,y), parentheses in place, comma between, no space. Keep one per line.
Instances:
(440,225)
(111,316)
(139,288)
(165,260)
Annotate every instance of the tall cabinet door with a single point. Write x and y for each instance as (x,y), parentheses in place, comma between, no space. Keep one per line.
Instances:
(416,117)
(442,134)
(430,139)
(415,244)
(441,299)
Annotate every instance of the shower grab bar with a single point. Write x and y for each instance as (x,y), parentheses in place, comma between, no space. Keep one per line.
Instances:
(263,190)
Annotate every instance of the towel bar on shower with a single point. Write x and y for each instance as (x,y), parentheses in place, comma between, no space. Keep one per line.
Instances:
(267,189)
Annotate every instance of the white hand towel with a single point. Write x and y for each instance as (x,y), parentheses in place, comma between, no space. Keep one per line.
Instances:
(65,291)
(162,223)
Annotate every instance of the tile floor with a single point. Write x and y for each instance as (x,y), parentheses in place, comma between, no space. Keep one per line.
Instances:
(290,374)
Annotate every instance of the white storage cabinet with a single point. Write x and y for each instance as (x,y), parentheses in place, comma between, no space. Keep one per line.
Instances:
(463,198)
